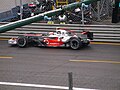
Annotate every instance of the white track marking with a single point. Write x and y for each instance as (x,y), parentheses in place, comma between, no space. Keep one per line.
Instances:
(41,86)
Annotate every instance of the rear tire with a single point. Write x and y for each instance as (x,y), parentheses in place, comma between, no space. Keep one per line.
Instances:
(75,43)
(22,41)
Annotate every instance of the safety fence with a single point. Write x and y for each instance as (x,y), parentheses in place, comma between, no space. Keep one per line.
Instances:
(12,15)
(104,33)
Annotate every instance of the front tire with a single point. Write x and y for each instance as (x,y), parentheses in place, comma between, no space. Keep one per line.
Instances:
(22,41)
(75,43)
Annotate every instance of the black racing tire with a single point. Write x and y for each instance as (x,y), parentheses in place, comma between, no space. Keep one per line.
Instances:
(75,43)
(22,41)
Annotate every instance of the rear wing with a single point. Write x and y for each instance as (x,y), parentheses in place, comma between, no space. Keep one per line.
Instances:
(89,34)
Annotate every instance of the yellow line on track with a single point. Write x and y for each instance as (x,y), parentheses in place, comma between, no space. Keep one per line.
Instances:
(96,61)
(5,57)
(105,43)
(4,38)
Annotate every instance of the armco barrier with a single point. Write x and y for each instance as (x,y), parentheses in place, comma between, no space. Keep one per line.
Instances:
(106,33)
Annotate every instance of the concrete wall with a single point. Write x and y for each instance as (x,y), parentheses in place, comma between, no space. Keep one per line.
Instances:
(6,5)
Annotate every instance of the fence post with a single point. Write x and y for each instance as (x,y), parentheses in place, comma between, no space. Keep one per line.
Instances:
(21,10)
(98,7)
(70,78)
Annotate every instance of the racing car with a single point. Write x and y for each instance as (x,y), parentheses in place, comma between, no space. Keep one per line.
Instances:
(60,38)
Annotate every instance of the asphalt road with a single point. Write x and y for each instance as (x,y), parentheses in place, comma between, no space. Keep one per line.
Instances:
(94,67)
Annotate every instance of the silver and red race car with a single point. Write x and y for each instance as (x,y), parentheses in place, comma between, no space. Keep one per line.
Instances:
(60,38)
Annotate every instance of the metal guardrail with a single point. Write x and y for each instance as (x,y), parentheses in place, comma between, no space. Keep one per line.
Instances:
(104,33)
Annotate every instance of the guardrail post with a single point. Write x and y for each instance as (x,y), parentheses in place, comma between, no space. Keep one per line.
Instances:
(70,81)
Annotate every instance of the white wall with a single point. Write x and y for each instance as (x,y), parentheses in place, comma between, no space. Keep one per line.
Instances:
(6,5)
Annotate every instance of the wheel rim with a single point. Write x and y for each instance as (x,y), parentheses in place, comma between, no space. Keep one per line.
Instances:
(74,44)
(21,42)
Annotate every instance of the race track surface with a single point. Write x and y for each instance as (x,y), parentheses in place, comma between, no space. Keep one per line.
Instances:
(94,67)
